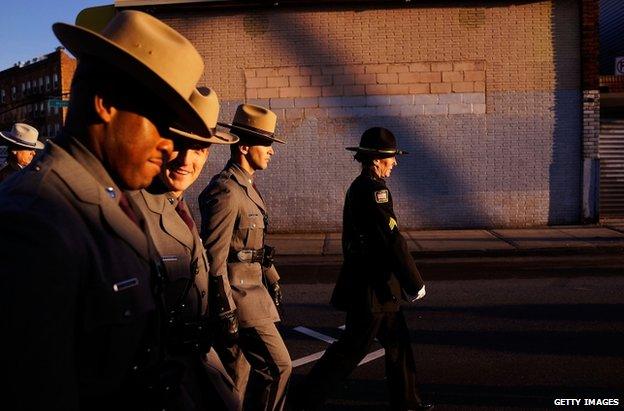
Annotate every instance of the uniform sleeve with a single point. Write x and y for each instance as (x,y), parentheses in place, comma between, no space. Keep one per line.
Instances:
(218,217)
(271,274)
(39,283)
(385,236)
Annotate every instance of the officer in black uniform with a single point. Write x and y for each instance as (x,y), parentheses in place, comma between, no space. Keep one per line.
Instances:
(377,274)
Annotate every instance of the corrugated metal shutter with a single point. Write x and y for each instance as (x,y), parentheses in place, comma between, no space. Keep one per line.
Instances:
(611,151)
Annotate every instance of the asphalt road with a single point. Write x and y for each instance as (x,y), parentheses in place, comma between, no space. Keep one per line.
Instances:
(489,335)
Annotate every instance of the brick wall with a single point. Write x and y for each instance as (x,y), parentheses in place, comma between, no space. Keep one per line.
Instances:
(485,96)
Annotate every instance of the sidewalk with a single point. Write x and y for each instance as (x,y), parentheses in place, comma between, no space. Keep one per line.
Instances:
(313,248)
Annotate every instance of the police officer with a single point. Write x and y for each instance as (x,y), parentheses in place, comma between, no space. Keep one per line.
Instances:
(377,274)
(22,143)
(182,260)
(234,223)
(80,320)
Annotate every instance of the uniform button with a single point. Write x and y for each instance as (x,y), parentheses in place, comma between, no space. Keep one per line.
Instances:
(135,368)
(127,313)
(111,192)
(203,293)
(38,168)
(253,226)
(241,281)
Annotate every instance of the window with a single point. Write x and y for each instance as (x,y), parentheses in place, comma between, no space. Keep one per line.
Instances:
(47,83)
(2,96)
(23,89)
(55,80)
(57,128)
(13,92)
(28,87)
(40,84)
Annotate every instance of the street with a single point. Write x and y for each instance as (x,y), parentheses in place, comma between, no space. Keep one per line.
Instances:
(491,335)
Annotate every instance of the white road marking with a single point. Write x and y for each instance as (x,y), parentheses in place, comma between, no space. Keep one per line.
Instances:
(314,334)
(315,356)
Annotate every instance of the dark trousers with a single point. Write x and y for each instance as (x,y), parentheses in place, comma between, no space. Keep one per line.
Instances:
(343,356)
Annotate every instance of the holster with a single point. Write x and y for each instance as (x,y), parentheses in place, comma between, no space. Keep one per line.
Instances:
(268,256)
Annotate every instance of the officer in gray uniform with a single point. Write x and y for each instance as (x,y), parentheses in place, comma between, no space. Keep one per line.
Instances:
(81,324)
(183,265)
(22,143)
(234,223)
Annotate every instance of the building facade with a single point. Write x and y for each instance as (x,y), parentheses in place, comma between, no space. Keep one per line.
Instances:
(487,96)
(36,93)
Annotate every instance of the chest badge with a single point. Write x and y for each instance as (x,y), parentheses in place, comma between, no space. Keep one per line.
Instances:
(381,196)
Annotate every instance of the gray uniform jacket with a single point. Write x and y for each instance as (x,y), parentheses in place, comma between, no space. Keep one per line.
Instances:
(9,169)
(75,293)
(233,220)
(181,251)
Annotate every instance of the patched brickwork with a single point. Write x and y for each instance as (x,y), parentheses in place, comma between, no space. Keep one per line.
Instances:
(365,79)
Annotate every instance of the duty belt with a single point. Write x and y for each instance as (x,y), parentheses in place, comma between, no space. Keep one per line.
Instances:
(246,256)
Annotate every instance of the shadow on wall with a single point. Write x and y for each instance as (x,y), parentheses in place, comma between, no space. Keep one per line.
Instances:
(462,170)
(565,187)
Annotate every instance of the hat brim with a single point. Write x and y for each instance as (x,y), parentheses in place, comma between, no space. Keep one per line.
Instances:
(83,42)
(250,132)
(367,150)
(218,136)
(9,137)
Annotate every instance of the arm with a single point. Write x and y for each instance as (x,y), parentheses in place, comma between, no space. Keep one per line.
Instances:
(39,288)
(385,236)
(218,212)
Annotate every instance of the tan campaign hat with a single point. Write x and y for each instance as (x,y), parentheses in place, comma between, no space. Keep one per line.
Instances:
(23,135)
(206,102)
(254,121)
(151,52)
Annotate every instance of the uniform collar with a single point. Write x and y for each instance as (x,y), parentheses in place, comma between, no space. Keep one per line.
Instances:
(245,179)
(91,163)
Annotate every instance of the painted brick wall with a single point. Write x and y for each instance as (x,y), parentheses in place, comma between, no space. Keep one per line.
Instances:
(499,145)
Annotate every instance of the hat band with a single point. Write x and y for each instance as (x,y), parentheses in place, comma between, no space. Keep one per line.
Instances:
(254,129)
(376,150)
(28,143)
(213,133)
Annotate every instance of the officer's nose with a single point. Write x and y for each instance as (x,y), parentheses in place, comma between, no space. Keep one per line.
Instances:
(271,150)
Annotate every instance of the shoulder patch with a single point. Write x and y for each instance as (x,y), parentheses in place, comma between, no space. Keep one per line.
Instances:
(392,223)
(381,196)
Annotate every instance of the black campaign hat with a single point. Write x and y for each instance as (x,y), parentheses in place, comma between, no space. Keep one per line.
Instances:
(378,141)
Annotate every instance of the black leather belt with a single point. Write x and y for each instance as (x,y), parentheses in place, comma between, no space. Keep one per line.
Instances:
(246,256)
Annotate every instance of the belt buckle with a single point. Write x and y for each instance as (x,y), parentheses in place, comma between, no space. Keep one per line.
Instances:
(244,255)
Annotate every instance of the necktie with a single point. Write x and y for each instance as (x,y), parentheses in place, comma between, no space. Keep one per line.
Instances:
(124,204)
(184,214)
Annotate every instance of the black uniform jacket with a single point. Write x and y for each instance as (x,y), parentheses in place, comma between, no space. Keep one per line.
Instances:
(377,268)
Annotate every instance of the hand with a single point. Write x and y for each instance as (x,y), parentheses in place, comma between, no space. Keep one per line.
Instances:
(421,293)
(411,298)
(275,291)
(229,328)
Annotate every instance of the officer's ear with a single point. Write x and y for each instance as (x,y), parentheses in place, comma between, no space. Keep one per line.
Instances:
(244,149)
(103,108)
(376,162)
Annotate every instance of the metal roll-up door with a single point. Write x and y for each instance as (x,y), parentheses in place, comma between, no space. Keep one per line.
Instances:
(611,151)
